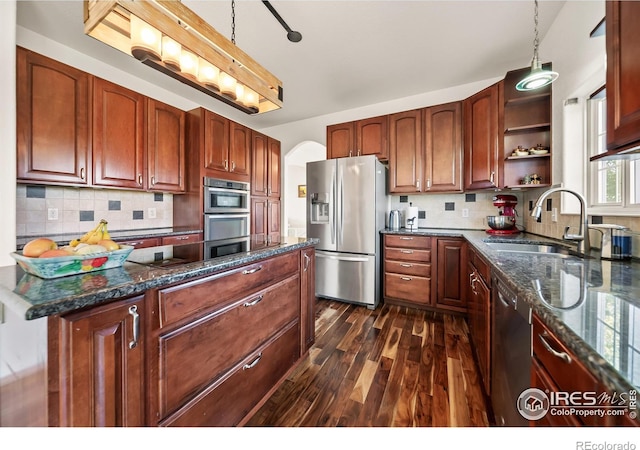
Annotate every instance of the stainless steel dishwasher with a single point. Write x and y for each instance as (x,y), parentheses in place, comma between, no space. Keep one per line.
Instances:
(511,353)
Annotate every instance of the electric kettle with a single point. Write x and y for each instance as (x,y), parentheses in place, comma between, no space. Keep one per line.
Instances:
(394,220)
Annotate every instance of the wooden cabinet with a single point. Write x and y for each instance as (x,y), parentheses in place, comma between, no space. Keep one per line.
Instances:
(239,151)
(405,152)
(265,166)
(478,280)
(481,146)
(407,270)
(165,147)
(451,269)
(140,243)
(623,90)
(443,148)
(118,136)
(265,220)
(362,137)
(181,239)
(307,300)
(96,366)
(526,124)
(213,359)
(53,121)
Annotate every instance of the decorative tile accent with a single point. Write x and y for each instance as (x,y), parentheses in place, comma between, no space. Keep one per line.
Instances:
(549,204)
(597,220)
(449,206)
(114,205)
(158,256)
(470,198)
(422,214)
(86,216)
(138,215)
(404,199)
(158,197)
(36,191)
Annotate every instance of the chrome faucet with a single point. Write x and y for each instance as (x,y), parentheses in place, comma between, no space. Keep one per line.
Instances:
(582,238)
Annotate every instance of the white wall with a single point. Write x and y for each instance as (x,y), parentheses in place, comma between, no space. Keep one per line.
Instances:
(8,131)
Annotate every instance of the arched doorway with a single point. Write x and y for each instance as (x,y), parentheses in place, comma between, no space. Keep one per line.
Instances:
(295,175)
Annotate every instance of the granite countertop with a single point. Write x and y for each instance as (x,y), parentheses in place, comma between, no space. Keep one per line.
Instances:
(140,233)
(593,305)
(32,297)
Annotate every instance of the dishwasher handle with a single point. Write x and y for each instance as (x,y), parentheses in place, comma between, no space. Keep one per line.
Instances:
(562,355)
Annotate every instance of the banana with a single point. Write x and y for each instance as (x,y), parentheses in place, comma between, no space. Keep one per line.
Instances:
(85,236)
(91,237)
(105,233)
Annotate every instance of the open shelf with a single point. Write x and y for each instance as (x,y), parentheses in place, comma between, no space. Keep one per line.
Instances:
(512,158)
(527,128)
(528,99)
(528,186)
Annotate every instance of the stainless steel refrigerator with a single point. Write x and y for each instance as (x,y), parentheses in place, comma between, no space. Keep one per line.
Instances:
(346,206)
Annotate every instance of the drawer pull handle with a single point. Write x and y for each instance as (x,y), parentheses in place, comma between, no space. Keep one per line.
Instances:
(253,363)
(307,261)
(408,252)
(406,239)
(562,355)
(406,265)
(182,238)
(250,271)
(255,301)
(133,310)
(405,278)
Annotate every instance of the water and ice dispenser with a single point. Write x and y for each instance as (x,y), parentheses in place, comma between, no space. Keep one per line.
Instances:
(319,207)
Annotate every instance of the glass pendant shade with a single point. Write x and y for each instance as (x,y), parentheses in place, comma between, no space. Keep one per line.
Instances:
(189,63)
(537,78)
(227,85)
(146,41)
(251,99)
(171,52)
(208,74)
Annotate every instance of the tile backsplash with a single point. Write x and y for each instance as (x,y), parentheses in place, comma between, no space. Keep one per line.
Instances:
(46,210)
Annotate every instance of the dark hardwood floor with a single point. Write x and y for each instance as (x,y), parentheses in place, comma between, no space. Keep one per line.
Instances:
(392,367)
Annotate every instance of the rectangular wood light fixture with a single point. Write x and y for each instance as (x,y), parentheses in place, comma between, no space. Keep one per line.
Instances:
(169,37)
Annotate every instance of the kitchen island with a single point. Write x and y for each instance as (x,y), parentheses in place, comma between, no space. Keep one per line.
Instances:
(154,345)
(591,305)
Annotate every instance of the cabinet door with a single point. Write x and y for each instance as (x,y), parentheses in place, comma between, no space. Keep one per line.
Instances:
(216,143)
(118,136)
(239,151)
(481,139)
(273,166)
(165,147)
(101,365)
(308,300)
(443,148)
(451,269)
(259,220)
(53,132)
(259,165)
(405,152)
(273,221)
(371,137)
(340,140)
(623,89)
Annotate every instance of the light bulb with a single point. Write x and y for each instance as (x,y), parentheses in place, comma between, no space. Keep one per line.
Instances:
(227,85)
(171,52)
(189,63)
(145,40)
(208,74)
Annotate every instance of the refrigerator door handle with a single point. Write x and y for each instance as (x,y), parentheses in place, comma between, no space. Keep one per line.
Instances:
(332,212)
(341,221)
(342,258)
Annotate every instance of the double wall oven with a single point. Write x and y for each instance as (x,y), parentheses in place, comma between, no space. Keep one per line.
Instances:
(227,215)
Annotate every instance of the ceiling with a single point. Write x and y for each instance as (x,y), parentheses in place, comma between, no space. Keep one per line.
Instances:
(352,54)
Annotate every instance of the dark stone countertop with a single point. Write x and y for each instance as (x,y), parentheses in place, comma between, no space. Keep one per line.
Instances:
(592,305)
(32,297)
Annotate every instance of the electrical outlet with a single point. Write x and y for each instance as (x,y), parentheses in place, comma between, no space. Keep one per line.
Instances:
(465,212)
(52,214)
(151,213)
(554,215)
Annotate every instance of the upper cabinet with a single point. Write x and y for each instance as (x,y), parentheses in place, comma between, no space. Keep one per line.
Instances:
(80,130)
(526,124)
(481,139)
(265,166)
(405,152)
(623,72)
(239,151)
(53,126)
(443,148)
(118,136)
(359,138)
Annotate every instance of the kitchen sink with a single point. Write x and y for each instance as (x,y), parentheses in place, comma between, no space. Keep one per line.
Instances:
(525,247)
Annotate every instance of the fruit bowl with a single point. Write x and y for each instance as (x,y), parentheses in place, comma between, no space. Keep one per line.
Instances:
(63,266)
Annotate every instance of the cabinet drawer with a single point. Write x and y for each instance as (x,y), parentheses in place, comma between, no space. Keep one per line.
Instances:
(401,240)
(181,301)
(140,243)
(483,268)
(542,381)
(568,375)
(215,343)
(408,268)
(228,401)
(183,239)
(410,288)
(407,254)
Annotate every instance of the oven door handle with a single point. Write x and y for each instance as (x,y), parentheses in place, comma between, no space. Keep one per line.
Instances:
(233,191)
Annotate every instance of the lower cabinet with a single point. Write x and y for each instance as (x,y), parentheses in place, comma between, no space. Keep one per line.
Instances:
(479,314)
(307,300)
(451,256)
(265,220)
(96,366)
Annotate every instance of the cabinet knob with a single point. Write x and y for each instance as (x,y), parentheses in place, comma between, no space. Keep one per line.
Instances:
(153,181)
(428,183)
(492,177)
(140,179)
(233,166)
(418,185)
(226,165)
(82,173)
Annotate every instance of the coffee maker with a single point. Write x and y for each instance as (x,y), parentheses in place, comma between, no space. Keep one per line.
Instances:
(505,222)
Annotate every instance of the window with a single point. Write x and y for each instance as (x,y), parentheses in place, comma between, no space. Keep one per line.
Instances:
(614,187)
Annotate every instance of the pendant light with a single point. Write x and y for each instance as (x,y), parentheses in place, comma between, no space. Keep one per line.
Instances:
(538,77)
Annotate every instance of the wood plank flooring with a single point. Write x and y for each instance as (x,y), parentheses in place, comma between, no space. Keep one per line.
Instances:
(392,367)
